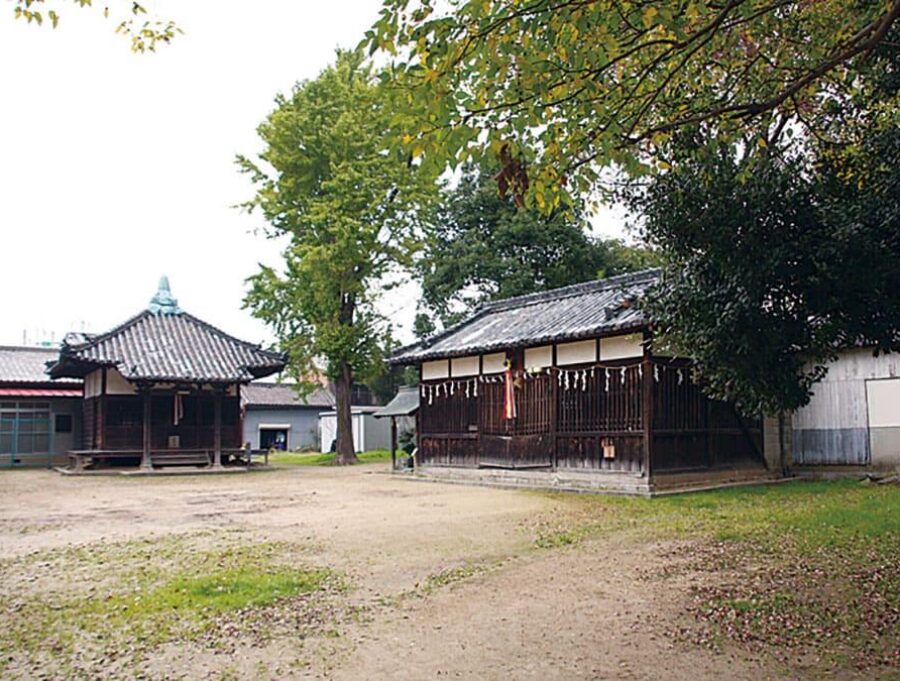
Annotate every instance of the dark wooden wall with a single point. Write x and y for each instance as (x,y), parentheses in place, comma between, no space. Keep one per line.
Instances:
(115,422)
(692,432)
(566,427)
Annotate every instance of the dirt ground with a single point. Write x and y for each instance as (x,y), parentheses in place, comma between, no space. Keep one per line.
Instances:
(447,579)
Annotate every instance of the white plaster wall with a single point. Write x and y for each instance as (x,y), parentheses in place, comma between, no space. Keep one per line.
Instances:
(92,384)
(437,369)
(117,385)
(538,358)
(494,363)
(622,347)
(579,352)
(464,366)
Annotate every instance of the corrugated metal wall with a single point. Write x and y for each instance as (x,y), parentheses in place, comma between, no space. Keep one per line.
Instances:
(834,427)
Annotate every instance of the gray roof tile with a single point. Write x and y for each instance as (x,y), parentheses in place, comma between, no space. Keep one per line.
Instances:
(28,365)
(283,395)
(405,403)
(168,347)
(569,313)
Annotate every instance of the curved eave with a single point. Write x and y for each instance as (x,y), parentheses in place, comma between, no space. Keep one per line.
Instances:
(73,367)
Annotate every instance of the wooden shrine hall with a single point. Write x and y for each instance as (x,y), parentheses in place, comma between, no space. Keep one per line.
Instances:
(162,389)
(562,389)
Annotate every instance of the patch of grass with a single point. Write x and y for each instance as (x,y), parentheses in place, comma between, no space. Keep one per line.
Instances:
(178,604)
(126,598)
(797,566)
(817,514)
(317,459)
(453,575)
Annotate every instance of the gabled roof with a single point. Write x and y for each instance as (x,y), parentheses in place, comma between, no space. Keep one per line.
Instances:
(27,365)
(173,346)
(405,403)
(284,395)
(570,313)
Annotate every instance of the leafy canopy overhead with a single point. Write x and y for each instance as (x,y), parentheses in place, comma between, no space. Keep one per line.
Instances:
(777,259)
(485,248)
(560,89)
(144,34)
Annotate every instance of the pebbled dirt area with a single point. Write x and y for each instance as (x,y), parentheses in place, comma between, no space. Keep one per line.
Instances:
(438,580)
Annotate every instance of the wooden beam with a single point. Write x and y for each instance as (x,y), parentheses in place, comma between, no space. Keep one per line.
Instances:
(647,408)
(101,412)
(554,415)
(148,414)
(393,443)
(217,430)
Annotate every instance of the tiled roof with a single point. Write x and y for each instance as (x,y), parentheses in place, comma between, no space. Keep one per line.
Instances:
(569,313)
(27,365)
(405,402)
(283,395)
(168,347)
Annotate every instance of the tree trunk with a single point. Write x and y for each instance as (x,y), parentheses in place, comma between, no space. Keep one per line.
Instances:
(344,446)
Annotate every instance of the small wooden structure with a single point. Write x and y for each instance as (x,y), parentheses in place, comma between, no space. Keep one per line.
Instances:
(562,388)
(162,389)
(404,406)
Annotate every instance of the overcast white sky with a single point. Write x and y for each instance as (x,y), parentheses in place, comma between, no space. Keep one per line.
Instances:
(117,168)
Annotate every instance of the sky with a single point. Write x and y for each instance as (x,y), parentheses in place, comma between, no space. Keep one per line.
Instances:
(118,168)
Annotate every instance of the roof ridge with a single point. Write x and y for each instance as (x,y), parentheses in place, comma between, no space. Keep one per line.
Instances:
(533,299)
(570,290)
(100,337)
(30,348)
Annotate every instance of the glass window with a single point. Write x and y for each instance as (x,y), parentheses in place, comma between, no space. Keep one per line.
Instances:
(63,423)
(41,444)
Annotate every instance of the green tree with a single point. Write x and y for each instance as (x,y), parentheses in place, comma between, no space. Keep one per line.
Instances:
(485,248)
(776,259)
(560,89)
(353,207)
(144,33)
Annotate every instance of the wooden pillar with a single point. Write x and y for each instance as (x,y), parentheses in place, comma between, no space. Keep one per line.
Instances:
(146,462)
(393,443)
(217,432)
(554,408)
(647,390)
(419,424)
(101,412)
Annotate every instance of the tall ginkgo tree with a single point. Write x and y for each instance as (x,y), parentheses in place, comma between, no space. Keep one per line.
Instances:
(355,208)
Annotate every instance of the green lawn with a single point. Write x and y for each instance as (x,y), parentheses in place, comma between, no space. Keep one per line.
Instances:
(800,567)
(317,459)
(130,597)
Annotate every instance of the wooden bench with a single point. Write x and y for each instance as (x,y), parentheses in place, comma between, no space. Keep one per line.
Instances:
(79,458)
(181,457)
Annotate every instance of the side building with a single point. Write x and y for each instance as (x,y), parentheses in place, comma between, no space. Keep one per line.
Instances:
(853,418)
(563,389)
(40,418)
(275,416)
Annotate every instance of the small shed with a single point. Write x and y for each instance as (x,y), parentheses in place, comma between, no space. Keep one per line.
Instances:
(402,412)
(368,432)
(276,416)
